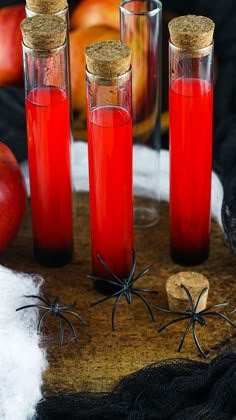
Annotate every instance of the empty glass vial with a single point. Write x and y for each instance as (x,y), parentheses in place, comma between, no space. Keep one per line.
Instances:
(140,28)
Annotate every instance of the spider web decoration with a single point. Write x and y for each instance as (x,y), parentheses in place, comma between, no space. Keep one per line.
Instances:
(124,287)
(195,317)
(60,312)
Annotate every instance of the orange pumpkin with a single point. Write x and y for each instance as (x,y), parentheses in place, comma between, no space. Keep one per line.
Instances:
(79,39)
(96,13)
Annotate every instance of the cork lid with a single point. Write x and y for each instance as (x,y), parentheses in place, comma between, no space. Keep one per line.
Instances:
(43,32)
(108,58)
(46,6)
(194,282)
(191,32)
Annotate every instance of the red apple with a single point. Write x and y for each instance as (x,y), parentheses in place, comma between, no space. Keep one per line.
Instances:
(11,63)
(13,196)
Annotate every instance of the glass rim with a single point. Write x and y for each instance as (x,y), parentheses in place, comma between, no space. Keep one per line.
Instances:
(40,51)
(58,13)
(202,50)
(103,78)
(152,12)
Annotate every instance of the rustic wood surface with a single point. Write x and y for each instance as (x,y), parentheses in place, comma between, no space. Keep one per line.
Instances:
(101,357)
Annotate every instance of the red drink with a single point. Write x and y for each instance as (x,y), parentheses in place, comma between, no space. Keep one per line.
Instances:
(111,202)
(190,169)
(48,132)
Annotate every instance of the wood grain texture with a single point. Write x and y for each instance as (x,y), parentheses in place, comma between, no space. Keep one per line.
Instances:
(101,357)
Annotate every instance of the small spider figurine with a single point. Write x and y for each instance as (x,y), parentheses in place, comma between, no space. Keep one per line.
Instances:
(194,317)
(55,309)
(125,287)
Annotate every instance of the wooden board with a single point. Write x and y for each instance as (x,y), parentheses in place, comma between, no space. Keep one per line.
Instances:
(101,357)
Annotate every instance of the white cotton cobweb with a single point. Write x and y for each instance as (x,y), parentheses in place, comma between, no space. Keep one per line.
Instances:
(22,360)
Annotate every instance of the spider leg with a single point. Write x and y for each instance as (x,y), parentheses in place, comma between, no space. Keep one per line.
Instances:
(78,316)
(31,306)
(173,322)
(47,299)
(133,267)
(70,325)
(109,281)
(189,296)
(89,276)
(67,306)
(61,331)
(199,298)
(114,311)
(41,320)
(217,305)
(184,334)
(109,269)
(43,299)
(197,342)
(145,302)
(56,301)
(169,311)
(145,290)
(107,297)
(142,273)
(221,316)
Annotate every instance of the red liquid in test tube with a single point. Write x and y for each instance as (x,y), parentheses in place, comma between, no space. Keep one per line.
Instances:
(111,204)
(190,168)
(48,132)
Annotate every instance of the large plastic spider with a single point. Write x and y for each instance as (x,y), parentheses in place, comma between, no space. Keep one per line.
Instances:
(194,317)
(55,309)
(125,287)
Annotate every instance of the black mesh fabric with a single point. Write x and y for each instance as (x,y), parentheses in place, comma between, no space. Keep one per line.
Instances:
(174,389)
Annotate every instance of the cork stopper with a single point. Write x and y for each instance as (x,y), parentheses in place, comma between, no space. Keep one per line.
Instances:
(108,59)
(43,32)
(46,6)
(191,32)
(177,298)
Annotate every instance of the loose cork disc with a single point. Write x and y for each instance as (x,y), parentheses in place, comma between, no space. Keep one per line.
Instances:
(43,32)
(194,282)
(46,6)
(191,32)
(108,58)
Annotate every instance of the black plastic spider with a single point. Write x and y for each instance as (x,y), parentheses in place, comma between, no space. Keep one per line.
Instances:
(125,287)
(194,317)
(54,308)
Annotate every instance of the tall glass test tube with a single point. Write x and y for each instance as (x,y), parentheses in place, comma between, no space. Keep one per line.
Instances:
(191,111)
(140,28)
(48,138)
(109,122)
